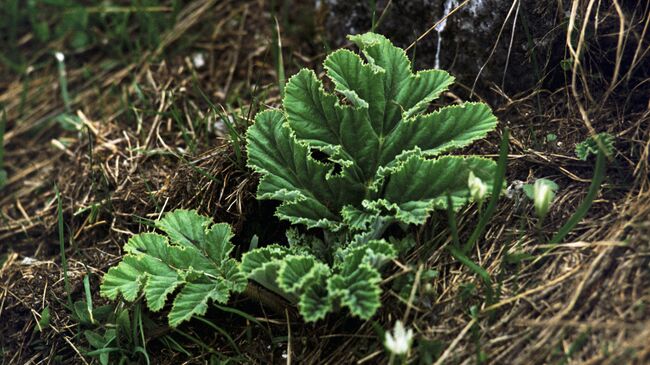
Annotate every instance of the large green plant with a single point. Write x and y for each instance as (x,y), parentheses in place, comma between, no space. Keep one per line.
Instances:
(381,145)
(351,163)
(345,166)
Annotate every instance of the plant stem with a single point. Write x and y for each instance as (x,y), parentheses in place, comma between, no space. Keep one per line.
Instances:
(496,192)
(451,216)
(599,175)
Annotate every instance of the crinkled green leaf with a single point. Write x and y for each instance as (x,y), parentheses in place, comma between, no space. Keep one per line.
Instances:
(369,127)
(380,53)
(195,261)
(190,229)
(310,194)
(255,259)
(304,280)
(302,243)
(267,275)
(315,301)
(262,265)
(219,233)
(351,139)
(294,270)
(590,146)
(359,82)
(418,186)
(234,278)
(136,271)
(359,219)
(374,253)
(446,129)
(126,278)
(193,300)
(358,291)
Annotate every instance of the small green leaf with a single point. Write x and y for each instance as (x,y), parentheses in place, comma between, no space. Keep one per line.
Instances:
(79,39)
(41,31)
(43,322)
(81,314)
(590,146)
(566,64)
(195,261)
(123,327)
(94,339)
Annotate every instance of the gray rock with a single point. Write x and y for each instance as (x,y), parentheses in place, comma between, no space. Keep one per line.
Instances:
(465,41)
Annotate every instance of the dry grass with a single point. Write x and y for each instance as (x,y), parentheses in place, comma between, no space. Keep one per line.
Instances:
(586,301)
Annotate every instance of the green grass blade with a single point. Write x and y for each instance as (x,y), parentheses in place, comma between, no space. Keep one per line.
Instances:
(223,332)
(276,49)
(235,137)
(64,261)
(3,125)
(460,256)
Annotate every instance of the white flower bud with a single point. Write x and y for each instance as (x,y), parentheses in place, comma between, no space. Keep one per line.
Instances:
(477,188)
(543,195)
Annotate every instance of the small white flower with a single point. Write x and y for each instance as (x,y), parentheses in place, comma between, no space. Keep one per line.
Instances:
(28,261)
(477,188)
(198,59)
(399,342)
(543,195)
(59,56)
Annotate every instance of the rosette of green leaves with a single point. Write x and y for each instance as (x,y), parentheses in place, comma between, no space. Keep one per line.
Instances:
(192,260)
(380,149)
(351,282)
